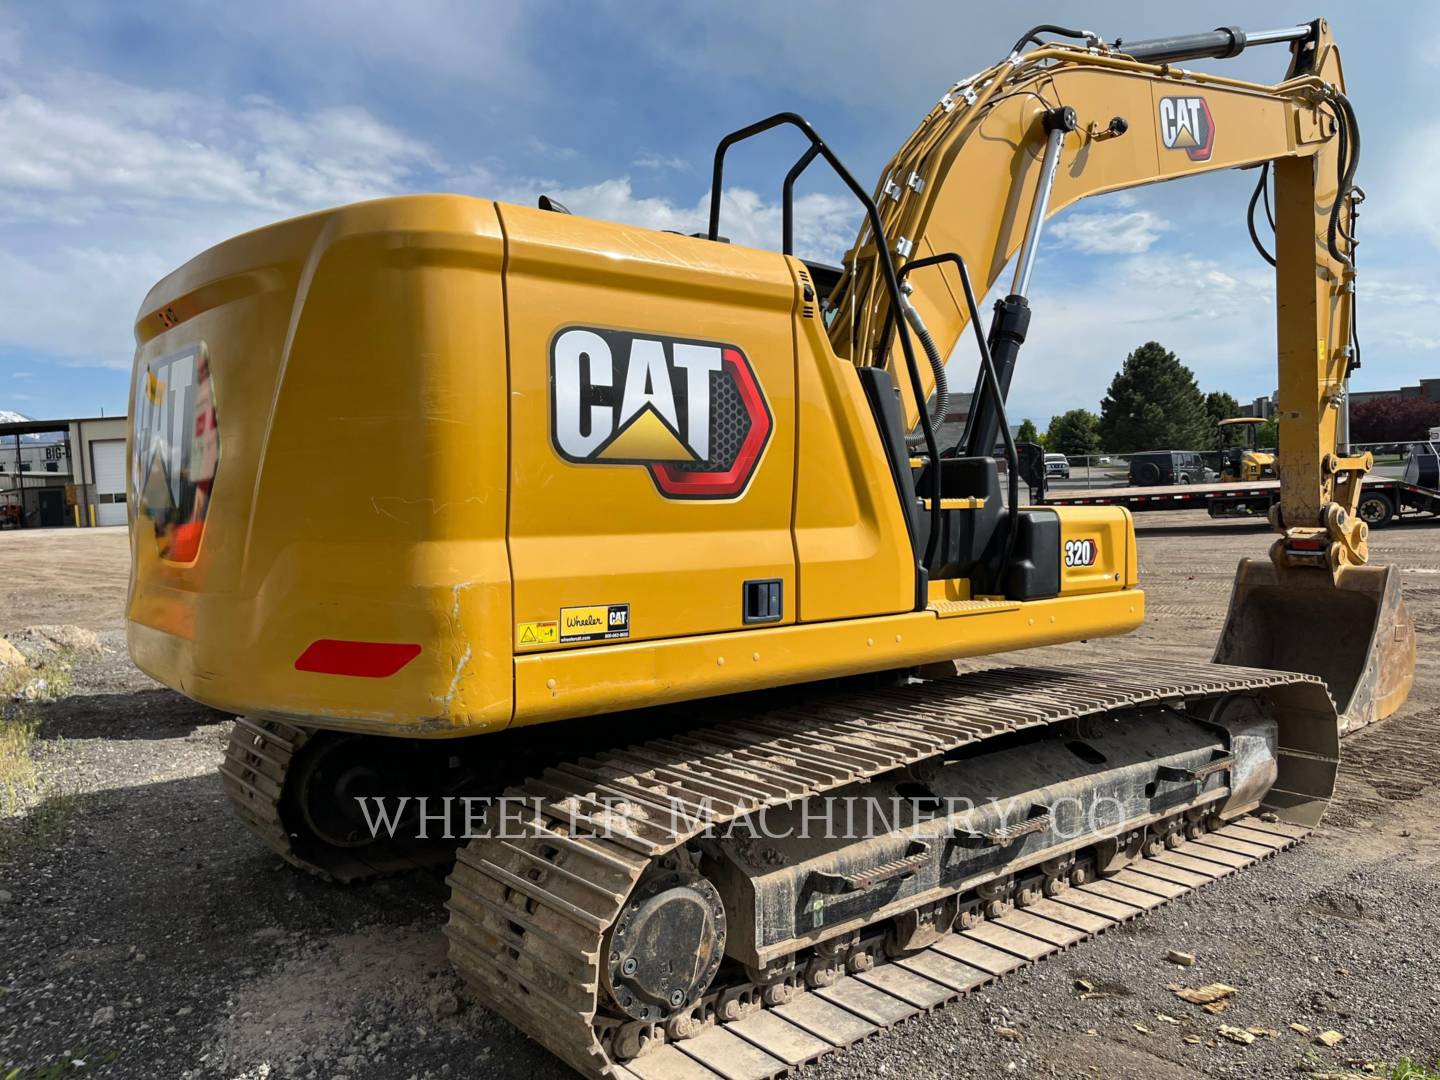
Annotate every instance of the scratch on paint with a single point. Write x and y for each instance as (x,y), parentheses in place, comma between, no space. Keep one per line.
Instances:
(455,679)
(464,658)
(455,591)
(435,508)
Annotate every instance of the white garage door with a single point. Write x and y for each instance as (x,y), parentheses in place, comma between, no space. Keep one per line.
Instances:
(110,514)
(108,458)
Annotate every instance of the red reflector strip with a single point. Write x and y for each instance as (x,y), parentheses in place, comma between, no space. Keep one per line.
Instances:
(1306,545)
(364,659)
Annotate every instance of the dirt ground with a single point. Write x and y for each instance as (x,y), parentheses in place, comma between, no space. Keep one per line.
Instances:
(152,937)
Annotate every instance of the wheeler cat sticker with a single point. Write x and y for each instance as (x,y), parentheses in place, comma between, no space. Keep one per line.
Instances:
(691,412)
(1186,124)
(595,622)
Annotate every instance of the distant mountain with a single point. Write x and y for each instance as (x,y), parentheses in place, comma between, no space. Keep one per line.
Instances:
(10,416)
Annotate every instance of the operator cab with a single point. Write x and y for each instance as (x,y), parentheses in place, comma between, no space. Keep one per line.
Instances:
(975,524)
(1240,456)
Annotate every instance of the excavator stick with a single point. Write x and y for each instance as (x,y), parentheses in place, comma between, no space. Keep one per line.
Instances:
(1352,630)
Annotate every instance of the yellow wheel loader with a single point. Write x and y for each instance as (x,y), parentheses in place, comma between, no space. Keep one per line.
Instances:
(1241,461)
(600,549)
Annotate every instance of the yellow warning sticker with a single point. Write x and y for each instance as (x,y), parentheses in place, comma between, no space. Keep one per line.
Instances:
(595,622)
(537,633)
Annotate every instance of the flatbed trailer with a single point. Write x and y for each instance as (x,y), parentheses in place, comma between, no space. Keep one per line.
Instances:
(1383,498)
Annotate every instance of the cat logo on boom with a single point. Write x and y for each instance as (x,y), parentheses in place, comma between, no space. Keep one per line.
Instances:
(691,412)
(1186,124)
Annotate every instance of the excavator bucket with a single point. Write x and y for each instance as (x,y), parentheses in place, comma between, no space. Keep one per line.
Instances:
(1354,634)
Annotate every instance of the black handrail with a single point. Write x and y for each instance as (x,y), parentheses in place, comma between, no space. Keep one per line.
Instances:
(787,200)
(887,265)
(992,383)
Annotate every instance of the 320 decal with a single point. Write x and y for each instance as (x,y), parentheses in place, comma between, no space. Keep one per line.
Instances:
(691,412)
(1081,552)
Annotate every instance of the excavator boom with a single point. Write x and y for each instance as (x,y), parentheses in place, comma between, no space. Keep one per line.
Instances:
(1068,121)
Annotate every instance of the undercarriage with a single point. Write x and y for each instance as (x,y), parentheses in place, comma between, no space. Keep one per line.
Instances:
(761,891)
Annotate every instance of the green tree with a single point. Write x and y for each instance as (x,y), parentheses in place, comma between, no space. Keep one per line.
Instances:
(1075,433)
(1267,435)
(1027,432)
(1220,406)
(1154,403)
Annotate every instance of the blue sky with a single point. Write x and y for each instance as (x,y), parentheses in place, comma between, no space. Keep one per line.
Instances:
(134,135)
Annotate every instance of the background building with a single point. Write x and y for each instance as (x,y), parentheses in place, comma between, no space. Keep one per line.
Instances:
(1263,407)
(58,473)
(1425,390)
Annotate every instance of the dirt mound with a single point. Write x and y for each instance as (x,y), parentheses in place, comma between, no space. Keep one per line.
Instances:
(336,1005)
(45,641)
(1344,905)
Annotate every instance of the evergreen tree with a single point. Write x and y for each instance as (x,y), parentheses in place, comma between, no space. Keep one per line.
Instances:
(1154,403)
(1075,433)
(1027,432)
(1220,406)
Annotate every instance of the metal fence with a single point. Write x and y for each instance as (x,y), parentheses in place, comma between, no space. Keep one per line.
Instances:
(1102,470)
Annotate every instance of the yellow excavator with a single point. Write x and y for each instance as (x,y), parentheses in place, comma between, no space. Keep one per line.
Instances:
(1241,460)
(599,550)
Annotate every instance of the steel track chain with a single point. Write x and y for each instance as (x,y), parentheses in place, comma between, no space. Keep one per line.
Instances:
(258,764)
(253,773)
(531,904)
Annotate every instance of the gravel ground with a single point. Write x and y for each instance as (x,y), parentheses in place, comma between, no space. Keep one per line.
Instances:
(156,939)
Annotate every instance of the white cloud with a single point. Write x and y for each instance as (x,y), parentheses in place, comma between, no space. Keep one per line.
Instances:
(1218,317)
(825,225)
(541,148)
(85,146)
(1409,341)
(1402,190)
(1103,233)
(124,184)
(660,162)
(347,45)
(105,187)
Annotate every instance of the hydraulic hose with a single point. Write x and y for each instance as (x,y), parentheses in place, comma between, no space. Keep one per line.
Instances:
(1261,188)
(1033,35)
(937,366)
(1349,162)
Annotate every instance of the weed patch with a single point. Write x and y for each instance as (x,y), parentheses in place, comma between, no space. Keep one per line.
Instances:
(33,809)
(73,1065)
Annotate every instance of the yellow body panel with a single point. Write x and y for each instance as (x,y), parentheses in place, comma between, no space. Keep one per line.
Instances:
(1111,531)
(361,487)
(850,536)
(601,533)
(387,472)
(559,685)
